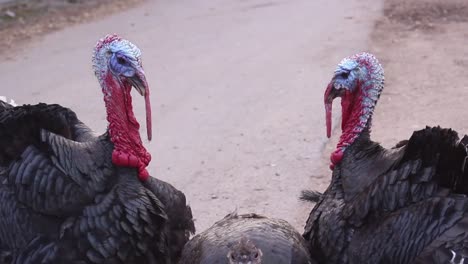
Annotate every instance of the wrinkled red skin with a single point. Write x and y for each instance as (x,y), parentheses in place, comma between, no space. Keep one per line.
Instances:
(335,158)
(351,107)
(108,39)
(124,128)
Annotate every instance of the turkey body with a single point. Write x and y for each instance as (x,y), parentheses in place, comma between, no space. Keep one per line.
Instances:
(63,198)
(71,200)
(407,204)
(277,240)
(410,208)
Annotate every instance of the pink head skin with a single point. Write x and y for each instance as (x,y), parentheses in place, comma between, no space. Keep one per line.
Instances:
(117,65)
(358,80)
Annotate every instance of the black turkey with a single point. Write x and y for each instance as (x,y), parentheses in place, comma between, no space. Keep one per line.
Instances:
(70,196)
(407,204)
(247,239)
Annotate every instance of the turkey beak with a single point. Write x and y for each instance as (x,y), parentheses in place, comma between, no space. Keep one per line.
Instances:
(140,84)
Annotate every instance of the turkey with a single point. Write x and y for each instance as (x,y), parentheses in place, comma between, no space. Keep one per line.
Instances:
(68,195)
(247,239)
(407,204)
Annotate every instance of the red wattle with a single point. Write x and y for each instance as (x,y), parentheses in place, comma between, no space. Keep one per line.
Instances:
(133,161)
(118,159)
(336,158)
(124,128)
(128,160)
(143,174)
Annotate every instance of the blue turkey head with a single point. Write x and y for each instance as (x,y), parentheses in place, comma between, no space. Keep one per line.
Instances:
(358,81)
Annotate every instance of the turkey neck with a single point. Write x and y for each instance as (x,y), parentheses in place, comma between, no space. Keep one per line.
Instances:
(123,127)
(355,117)
(361,157)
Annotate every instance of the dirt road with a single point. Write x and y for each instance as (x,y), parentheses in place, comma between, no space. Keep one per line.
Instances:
(237,90)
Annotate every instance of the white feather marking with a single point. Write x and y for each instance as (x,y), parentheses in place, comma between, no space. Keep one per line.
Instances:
(4,99)
(454,255)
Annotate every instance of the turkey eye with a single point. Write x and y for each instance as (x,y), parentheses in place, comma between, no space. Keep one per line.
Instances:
(344,74)
(256,255)
(121,60)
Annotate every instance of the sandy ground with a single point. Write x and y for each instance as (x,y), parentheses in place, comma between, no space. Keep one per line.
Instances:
(238,87)
(423,46)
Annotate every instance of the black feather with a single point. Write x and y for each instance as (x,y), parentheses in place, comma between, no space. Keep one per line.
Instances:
(310,196)
(59,172)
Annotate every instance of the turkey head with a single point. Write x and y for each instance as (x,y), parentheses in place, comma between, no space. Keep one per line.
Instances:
(245,252)
(117,65)
(358,80)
